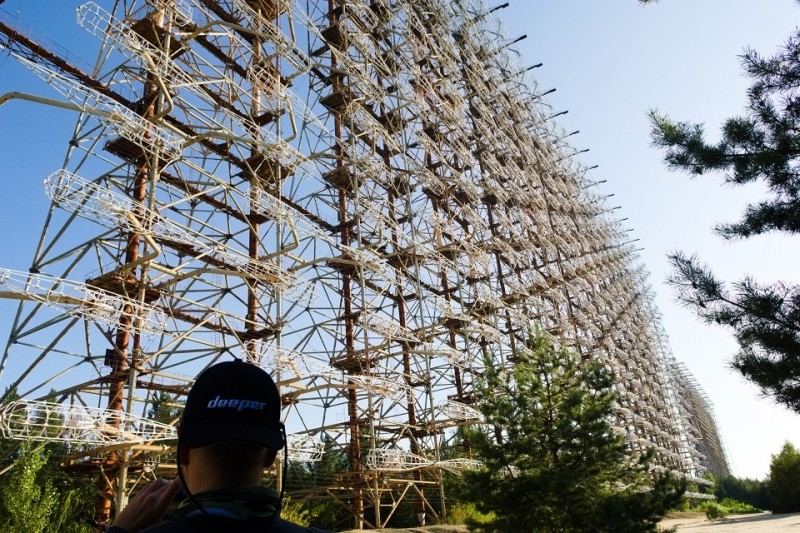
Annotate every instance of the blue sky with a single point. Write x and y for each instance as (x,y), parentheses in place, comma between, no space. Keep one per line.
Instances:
(611,62)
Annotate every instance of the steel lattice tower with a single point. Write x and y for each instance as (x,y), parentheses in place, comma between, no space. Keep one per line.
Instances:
(365,197)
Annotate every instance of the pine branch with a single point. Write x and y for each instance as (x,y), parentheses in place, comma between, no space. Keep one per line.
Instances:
(764,318)
(763,217)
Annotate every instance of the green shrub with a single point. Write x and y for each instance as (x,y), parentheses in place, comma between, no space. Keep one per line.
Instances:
(683,505)
(714,511)
(327,515)
(725,507)
(295,512)
(732,506)
(467,513)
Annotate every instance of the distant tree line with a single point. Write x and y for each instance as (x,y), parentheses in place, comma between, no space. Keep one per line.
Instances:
(779,492)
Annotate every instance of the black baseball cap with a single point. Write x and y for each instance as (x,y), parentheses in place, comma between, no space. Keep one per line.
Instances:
(232,401)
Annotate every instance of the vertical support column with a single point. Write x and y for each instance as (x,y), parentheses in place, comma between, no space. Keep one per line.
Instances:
(124,352)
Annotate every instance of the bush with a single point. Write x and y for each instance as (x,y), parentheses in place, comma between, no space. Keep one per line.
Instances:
(327,515)
(719,509)
(732,506)
(467,513)
(683,505)
(295,512)
(714,511)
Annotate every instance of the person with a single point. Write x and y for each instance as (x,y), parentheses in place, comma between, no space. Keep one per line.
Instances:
(229,432)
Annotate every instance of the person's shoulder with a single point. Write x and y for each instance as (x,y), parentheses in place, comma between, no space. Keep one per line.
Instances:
(193,525)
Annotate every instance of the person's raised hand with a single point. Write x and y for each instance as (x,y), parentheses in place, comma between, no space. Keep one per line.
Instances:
(147,508)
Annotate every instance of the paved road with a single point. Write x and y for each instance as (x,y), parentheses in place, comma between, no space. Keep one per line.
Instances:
(760,522)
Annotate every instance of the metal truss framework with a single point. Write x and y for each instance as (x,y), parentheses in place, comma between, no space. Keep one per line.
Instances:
(703,432)
(366,197)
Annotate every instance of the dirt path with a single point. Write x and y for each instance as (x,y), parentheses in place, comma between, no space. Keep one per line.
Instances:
(685,522)
(750,522)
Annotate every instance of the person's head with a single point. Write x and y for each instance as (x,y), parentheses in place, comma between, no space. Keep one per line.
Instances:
(230,428)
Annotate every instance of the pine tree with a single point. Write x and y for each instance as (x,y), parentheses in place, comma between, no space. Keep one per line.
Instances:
(552,461)
(762,146)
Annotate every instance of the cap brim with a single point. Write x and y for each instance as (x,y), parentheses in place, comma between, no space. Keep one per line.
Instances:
(197,437)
